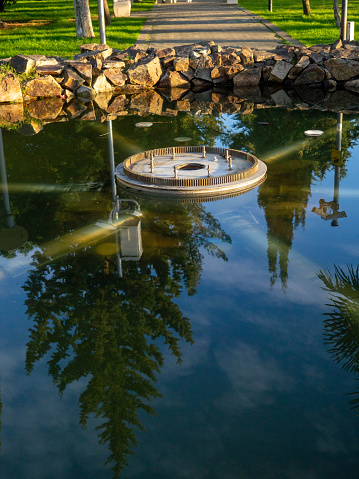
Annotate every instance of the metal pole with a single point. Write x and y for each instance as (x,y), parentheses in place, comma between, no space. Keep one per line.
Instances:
(343,26)
(111,155)
(270,5)
(101,20)
(10,222)
(337,168)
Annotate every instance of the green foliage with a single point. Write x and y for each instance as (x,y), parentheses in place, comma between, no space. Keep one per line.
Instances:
(48,28)
(4,3)
(288,15)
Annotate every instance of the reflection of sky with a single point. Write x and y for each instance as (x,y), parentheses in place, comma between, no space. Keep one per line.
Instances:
(257,395)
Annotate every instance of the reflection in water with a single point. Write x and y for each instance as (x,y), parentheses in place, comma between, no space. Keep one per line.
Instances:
(294,163)
(329,210)
(107,320)
(341,326)
(11,235)
(93,323)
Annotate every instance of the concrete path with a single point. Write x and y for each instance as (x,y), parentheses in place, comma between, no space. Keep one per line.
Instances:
(170,24)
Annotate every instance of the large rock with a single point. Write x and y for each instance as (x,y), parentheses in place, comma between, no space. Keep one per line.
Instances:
(147,73)
(85,93)
(115,76)
(181,64)
(43,87)
(248,77)
(46,109)
(100,84)
(342,69)
(10,89)
(299,67)
(22,63)
(173,79)
(101,53)
(53,70)
(312,74)
(280,71)
(84,69)
(71,80)
(246,56)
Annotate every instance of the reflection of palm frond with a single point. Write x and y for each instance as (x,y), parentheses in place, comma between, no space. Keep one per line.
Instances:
(342,323)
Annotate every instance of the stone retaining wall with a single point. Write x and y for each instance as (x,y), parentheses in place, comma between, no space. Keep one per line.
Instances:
(101,81)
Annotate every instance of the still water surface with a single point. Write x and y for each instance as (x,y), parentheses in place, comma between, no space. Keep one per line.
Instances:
(217,324)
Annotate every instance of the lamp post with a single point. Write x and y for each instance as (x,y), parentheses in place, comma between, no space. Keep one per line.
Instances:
(343,26)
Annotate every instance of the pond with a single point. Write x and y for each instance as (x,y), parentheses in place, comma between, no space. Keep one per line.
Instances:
(214,339)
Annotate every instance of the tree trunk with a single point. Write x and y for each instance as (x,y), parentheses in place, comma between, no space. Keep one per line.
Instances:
(306,7)
(107,13)
(336,13)
(83,19)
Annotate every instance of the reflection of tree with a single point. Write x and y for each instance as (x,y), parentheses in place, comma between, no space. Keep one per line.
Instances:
(109,329)
(341,326)
(296,163)
(342,323)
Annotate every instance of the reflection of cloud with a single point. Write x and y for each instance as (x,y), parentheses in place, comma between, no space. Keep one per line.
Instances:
(253,377)
(40,432)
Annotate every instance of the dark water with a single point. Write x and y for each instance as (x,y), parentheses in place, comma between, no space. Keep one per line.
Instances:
(222,327)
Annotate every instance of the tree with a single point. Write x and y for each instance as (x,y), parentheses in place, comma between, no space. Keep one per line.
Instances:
(83,20)
(306,7)
(336,13)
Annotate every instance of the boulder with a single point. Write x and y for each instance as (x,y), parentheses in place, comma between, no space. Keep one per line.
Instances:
(280,71)
(147,73)
(115,76)
(43,87)
(100,84)
(112,63)
(71,80)
(173,79)
(248,77)
(311,75)
(102,53)
(246,56)
(103,99)
(260,56)
(181,64)
(85,93)
(10,89)
(22,63)
(84,69)
(342,69)
(299,67)
(53,70)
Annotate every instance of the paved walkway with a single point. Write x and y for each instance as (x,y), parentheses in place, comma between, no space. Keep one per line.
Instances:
(170,24)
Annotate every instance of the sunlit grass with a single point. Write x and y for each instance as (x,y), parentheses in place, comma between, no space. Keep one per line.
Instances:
(288,15)
(59,36)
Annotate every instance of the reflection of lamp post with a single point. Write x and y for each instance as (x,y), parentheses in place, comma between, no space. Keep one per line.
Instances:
(130,242)
(329,210)
(12,236)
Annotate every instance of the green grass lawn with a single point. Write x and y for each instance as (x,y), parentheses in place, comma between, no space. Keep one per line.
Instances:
(59,36)
(288,15)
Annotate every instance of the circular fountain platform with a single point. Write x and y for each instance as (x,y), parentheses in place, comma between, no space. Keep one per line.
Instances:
(191,171)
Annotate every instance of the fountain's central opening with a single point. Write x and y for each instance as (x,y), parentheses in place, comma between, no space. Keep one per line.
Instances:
(191,166)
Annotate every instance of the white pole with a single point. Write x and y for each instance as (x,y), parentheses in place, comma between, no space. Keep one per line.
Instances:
(101,21)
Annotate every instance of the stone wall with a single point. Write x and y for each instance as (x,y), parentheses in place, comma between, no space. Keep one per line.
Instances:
(102,82)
